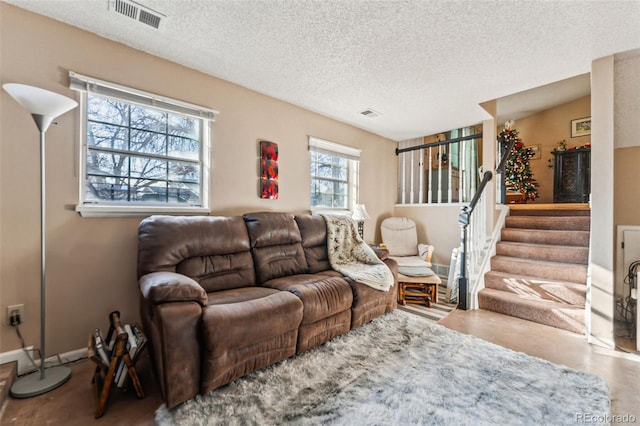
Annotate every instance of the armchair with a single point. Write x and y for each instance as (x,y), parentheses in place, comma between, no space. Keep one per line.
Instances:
(400,237)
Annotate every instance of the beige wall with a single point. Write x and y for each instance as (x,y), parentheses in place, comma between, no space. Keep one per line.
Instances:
(92,262)
(627,146)
(546,129)
(436,225)
(627,141)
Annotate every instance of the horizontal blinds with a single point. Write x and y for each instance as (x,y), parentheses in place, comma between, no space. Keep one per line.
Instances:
(333,148)
(112,90)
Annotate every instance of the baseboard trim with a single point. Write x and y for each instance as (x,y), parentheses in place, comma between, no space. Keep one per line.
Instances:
(19,356)
(598,341)
(25,366)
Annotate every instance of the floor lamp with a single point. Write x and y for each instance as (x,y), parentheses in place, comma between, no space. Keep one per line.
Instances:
(44,106)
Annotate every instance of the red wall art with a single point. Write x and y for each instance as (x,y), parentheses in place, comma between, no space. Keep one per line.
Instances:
(268,170)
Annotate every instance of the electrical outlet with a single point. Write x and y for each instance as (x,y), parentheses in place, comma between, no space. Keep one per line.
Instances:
(15,309)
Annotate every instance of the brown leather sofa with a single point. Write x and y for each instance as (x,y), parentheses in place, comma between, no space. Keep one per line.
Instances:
(224,296)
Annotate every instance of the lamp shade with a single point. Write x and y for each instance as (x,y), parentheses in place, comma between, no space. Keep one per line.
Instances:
(42,104)
(360,213)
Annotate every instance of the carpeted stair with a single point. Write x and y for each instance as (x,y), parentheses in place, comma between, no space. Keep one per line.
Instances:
(539,272)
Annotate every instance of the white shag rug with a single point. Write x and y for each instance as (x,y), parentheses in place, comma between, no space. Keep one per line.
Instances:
(401,370)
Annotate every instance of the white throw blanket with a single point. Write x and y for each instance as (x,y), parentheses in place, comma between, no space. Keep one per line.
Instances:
(352,257)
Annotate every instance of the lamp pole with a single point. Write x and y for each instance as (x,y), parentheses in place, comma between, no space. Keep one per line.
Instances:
(44,106)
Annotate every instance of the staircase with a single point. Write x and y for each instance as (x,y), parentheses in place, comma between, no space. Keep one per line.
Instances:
(539,272)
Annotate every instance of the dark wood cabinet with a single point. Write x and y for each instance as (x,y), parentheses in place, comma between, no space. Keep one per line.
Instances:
(572,176)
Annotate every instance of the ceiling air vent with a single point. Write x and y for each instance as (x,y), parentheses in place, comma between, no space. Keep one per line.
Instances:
(370,113)
(137,11)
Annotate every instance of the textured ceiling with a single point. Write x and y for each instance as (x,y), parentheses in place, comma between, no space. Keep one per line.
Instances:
(424,65)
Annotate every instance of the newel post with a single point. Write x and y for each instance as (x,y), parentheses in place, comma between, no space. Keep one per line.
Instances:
(463,292)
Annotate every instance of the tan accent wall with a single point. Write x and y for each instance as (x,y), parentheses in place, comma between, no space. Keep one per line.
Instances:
(547,128)
(627,147)
(627,141)
(436,225)
(92,262)
(627,186)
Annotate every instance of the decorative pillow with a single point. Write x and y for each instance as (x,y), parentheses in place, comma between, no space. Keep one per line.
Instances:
(425,252)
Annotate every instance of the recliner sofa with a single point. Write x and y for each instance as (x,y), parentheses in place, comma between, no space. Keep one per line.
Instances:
(224,296)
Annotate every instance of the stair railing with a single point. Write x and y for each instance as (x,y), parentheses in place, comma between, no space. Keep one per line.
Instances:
(439,172)
(472,220)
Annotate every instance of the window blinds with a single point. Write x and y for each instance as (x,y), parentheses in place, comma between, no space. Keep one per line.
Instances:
(332,148)
(83,83)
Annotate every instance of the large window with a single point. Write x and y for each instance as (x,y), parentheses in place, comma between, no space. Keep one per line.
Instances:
(141,154)
(334,175)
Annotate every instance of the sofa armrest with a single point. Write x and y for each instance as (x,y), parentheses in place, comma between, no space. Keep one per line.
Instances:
(161,287)
(393,265)
(382,253)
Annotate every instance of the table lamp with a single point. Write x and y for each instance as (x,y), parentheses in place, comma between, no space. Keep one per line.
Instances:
(360,215)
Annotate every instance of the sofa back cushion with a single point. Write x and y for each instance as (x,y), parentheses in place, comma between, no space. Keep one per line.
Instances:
(275,245)
(313,229)
(214,251)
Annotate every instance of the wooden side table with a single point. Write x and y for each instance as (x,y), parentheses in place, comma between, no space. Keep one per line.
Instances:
(422,290)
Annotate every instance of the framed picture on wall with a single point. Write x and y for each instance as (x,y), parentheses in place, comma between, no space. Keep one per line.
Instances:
(581,127)
(535,151)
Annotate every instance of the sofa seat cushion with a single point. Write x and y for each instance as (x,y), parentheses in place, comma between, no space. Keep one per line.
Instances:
(241,337)
(322,296)
(236,325)
(239,295)
(368,303)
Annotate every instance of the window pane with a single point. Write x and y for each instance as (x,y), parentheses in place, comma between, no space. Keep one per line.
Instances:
(184,148)
(108,164)
(187,127)
(149,191)
(107,110)
(106,188)
(152,143)
(181,171)
(149,119)
(184,193)
(148,168)
(107,136)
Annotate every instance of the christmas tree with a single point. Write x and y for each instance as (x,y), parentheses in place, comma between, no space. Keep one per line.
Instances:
(517,171)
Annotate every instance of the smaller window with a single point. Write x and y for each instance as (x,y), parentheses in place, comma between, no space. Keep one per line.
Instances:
(334,175)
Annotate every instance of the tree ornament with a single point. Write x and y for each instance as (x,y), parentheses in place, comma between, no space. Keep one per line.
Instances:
(518,176)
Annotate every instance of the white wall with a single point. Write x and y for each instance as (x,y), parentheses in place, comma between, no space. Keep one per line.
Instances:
(600,300)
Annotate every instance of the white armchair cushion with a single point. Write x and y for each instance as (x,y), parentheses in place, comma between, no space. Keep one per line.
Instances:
(400,236)
(413,266)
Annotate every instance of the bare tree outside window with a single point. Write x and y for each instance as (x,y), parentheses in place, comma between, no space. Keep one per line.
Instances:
(138,154)
(329,181)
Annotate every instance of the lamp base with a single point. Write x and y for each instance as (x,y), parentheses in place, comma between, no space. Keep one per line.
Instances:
(32,385)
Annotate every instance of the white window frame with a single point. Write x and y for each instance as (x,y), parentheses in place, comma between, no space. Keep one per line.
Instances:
(353,183)
(84,85)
